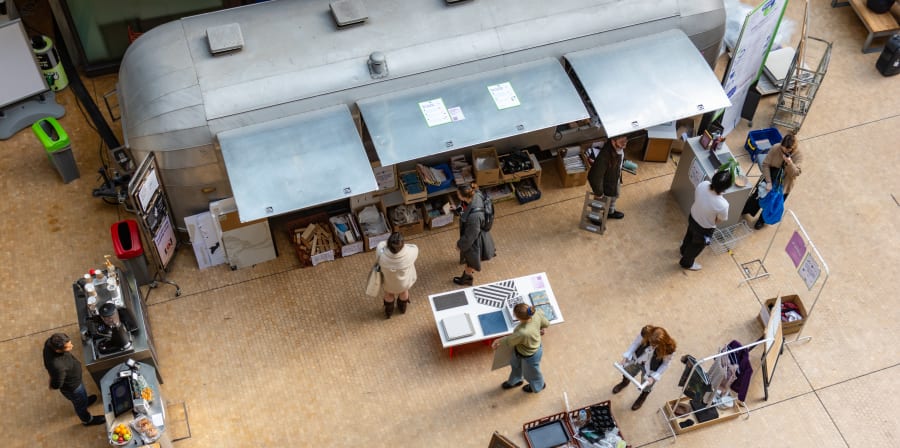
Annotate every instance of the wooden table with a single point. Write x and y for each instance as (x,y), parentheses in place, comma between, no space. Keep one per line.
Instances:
(483,299)
(878,25)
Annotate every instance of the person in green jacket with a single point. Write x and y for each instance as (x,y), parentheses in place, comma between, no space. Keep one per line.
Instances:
(527,349)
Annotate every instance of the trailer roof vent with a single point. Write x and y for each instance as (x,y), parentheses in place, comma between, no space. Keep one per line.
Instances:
(224,38)
(455,1)
(348,12)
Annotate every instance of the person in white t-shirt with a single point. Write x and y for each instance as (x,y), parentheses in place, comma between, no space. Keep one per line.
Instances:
(708,210)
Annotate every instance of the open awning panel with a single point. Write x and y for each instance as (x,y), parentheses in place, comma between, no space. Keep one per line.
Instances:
(296,162)
(449,115)
(650,80)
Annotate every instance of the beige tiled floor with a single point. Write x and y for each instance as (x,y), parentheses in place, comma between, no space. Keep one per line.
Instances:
(275,355)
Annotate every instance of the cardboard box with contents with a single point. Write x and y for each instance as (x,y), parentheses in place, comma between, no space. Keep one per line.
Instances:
(572,165)
(438,212)
(313,240)
(487,166)
(788,303)
(372,220)
(406,219)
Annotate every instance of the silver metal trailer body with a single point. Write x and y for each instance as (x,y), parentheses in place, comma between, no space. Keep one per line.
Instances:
(176,96)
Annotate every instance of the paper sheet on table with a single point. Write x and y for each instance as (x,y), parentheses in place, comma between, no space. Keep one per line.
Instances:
(502,355)
(634,380)
(157,419)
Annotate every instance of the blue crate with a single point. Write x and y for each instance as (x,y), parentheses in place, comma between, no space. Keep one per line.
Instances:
(752,147)
(446,184)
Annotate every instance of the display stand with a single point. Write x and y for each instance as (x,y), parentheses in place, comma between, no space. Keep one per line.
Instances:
(672,419)
(569,420)
(147,193)
(800,255)
(594,213)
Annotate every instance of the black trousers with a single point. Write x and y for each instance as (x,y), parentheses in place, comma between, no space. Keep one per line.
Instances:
(694,242)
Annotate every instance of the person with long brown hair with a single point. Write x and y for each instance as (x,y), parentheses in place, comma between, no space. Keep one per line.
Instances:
(649,354)
(475,244)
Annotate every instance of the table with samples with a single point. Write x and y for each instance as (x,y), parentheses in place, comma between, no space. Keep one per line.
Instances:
(484,312)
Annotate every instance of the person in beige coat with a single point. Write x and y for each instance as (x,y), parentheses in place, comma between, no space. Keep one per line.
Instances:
(398,265)
(782,164)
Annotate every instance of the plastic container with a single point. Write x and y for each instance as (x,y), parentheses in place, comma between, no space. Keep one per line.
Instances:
(756,142)
(56,145)
(127,246)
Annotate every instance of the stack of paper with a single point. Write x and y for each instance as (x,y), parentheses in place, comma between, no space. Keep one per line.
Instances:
(458,326)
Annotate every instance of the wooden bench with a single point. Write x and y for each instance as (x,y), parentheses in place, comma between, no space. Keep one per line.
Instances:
(878,25)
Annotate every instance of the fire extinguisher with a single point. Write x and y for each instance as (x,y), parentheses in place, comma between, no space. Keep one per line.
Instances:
(48,59)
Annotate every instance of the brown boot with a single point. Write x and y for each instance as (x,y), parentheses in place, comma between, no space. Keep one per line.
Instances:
(640,401)
(388,309)
(618,387)
(401,305)
(464,279)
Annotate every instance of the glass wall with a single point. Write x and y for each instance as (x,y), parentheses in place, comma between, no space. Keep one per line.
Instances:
(104,28)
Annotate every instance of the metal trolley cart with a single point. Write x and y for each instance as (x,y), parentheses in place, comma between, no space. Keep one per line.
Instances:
(802,83)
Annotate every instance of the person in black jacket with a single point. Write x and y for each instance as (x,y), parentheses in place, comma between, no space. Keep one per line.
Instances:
(65,375)
(605,174)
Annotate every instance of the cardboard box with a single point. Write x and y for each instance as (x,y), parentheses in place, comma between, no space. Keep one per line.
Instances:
(370,241)
(353,233)
(444,219)
(657,150)
(410,228)
(683,126)
(486,166)
(386,177)
(571,179)
(415,192)
(786,327)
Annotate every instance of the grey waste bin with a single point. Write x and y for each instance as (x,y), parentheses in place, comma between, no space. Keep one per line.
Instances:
(56,144)
(127,246)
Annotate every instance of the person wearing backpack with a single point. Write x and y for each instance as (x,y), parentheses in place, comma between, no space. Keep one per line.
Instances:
(475,221)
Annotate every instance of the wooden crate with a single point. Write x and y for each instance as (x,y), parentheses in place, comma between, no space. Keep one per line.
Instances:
(408,196)
(295,230)
(724,415)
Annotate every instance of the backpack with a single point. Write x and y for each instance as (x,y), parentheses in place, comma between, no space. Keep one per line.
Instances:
(488,211)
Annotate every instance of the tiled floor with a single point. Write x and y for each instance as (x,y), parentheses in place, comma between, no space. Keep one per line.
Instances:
(277,355)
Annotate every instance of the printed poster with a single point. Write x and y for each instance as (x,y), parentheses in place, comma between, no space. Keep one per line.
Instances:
(809,271)
(796,248)
(435,112)
(504,95)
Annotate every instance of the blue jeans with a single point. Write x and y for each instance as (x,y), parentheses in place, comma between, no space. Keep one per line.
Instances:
(79,400)
(529,367)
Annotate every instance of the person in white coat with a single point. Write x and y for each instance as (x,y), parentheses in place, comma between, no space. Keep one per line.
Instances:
(398,265)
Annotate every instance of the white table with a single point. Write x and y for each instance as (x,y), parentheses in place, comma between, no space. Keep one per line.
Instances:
(523,287)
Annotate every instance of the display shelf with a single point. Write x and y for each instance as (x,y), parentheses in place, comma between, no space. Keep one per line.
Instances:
(724,415)
(569,419)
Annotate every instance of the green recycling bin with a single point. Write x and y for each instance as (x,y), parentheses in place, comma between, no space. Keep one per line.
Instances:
(56,144)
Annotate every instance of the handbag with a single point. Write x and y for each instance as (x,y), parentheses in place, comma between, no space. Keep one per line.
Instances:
(773,203)
(375,280)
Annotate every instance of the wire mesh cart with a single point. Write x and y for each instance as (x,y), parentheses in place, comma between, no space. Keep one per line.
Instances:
(724,240)
(803,80)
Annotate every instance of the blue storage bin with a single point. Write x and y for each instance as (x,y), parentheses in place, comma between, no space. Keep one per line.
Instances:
(753,145)
(444,185)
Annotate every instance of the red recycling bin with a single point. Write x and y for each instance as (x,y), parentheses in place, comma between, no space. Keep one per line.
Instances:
(126,239)
(127,246)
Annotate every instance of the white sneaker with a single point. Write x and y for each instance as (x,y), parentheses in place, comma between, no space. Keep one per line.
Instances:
(696,267)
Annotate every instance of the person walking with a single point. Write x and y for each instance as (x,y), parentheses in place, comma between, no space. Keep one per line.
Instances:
(527,349)
(708,210)
(649,354)
(605,175)
(65,376)
(475,244)
(398,266)
(781,166)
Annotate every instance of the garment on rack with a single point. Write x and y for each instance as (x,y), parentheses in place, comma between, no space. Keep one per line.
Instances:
(742,383)
(722,373)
